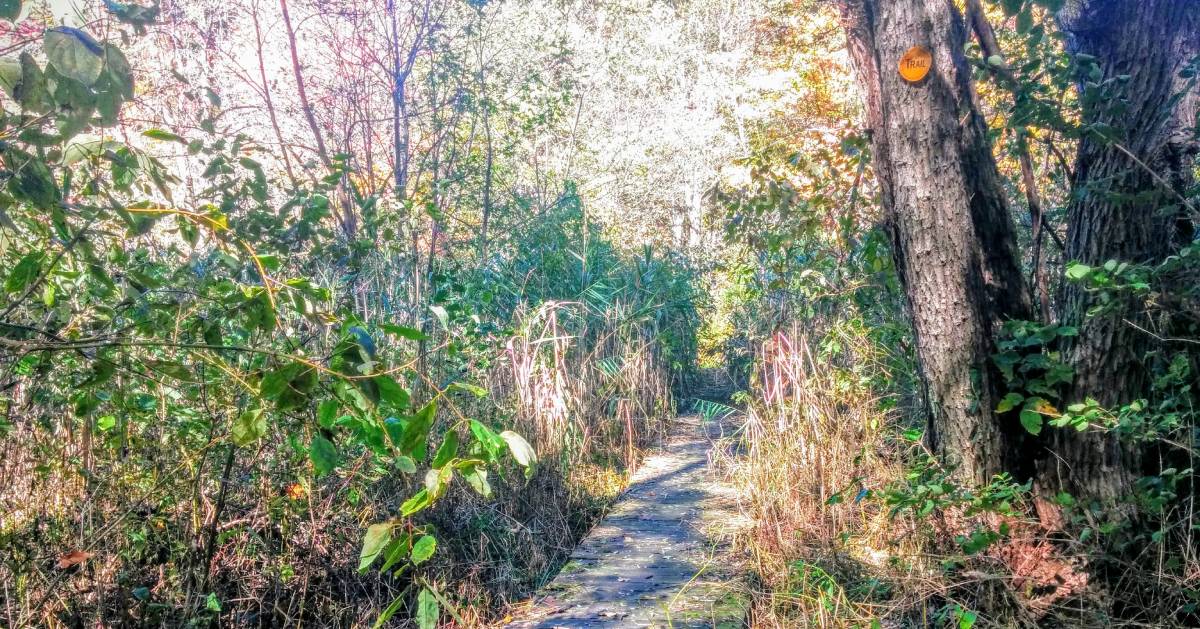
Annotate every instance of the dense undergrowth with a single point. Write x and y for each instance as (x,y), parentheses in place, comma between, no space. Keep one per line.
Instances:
(228,408)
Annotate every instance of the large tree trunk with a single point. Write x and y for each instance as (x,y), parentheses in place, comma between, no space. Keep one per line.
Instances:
(1128,207)
(949,222)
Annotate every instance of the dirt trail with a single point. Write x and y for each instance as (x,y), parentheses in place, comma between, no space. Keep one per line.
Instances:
(661,557)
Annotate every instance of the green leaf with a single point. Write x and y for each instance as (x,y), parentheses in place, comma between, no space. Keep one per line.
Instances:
(134,14)
(473,389)
(418,502)
(165,136)
(406,464)
(74,54)
(392,393)
(404,332)
(427,610)
(1078,271)
(378,536)
(396,550)
(487,438)
(327,414)
(249,427)
(26,271)
(1010,401)
(447,451)
(437,481)
(10,74)
(106,423)
(476,477)
(32,92)
(416,433)
(423,549)
(966,619)
(118,73)
(10,10)
(76,103)
(521,450)
(1032,421)
(390,611)
(323,455)
(1025,21)
(443,317)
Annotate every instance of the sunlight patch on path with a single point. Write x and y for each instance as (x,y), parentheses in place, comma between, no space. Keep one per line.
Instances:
(661,557)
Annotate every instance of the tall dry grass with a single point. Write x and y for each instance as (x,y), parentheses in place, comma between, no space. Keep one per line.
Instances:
(815,443)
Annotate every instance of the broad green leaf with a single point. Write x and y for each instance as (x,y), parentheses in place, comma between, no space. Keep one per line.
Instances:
(476,477)
(378,536)
(75,106)
(87,147)
(423,549)
(1032,421)
(491,442)
(427,610)
(1078,271)
(10,74)
(10,10)
(521,450)
(966,619)
(396,550)
(392,393)
(418,502)
(416,433)
(74,54)
(437,481)
(249,427)
(327,414)
(26,271)
(32,92)
(1010,401)
(323,455)
(406,464)
(473,389)
(118,73)
(404,332)
(447,451)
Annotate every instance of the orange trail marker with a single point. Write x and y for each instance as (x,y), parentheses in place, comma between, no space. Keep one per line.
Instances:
(915,64)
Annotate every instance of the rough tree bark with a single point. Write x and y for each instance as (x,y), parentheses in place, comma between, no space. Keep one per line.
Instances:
(1128,207)
(948,217)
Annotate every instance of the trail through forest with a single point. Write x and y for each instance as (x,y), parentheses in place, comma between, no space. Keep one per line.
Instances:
(661,558)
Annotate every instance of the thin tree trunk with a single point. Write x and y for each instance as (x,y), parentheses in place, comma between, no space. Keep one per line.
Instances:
(486,210)
(1128,207)
(948,219)
(301,88)
(270,102)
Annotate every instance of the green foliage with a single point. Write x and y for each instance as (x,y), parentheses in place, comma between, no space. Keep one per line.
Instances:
(1033,371)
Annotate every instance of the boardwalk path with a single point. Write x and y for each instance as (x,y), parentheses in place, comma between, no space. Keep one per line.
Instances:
(660,558)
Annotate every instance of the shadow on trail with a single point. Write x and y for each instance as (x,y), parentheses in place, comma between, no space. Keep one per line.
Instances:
(649,563)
